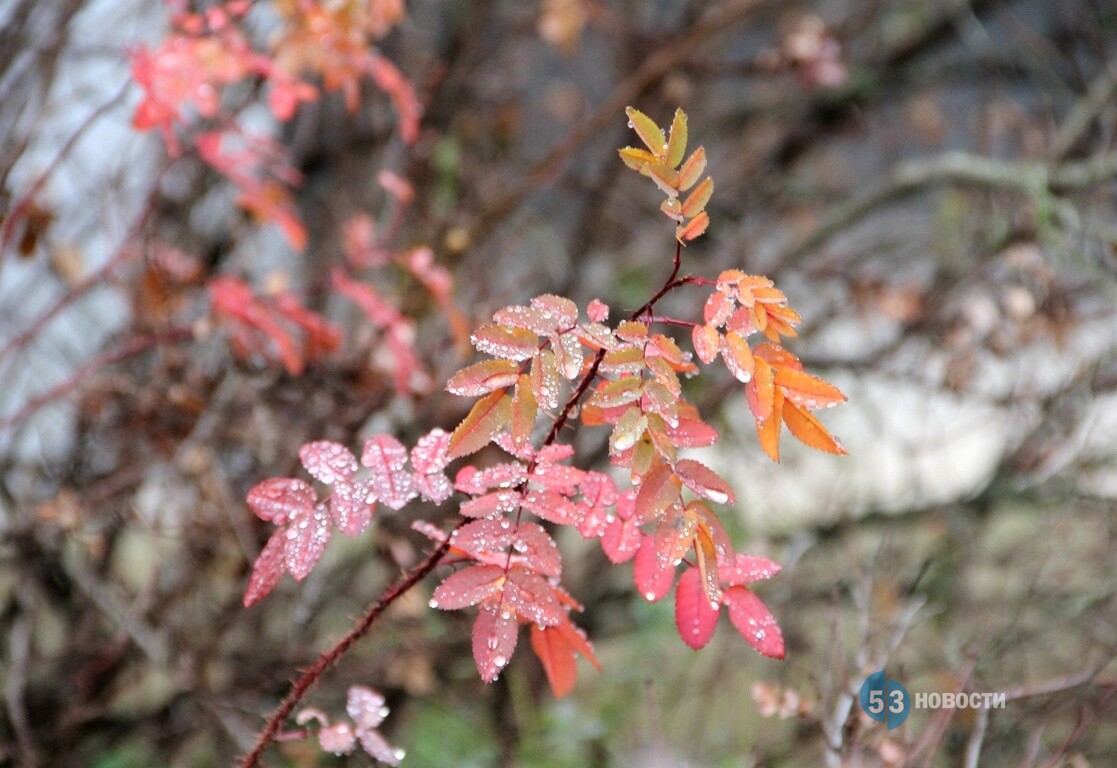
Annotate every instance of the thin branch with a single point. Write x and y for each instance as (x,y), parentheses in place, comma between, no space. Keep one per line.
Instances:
(1031,179)
(331,657)
(79,377)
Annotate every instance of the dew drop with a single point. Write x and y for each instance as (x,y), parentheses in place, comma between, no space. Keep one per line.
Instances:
(631,125)
(499,661)
(433,603)
(717,497)
(399,753)
(649,596)
(383,711)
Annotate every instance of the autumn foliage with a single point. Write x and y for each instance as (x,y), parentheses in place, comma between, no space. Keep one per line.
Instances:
(547,365)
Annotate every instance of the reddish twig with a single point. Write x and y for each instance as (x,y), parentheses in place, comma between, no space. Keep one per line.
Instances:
(331,657)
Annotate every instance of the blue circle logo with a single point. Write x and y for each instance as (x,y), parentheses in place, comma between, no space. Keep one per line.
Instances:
(885,700)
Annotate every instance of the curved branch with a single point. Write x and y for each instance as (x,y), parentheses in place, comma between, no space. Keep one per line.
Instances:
(330,657)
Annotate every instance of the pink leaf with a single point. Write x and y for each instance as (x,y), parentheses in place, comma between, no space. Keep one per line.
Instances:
(350,507)
(746,569)
(494,639)
(551,506)
(328,462)
(306,538)
(597,311)
(621,539)
(337,739)
(267,570)
(365,706)
(754,621)
(695,618)
(704,481)
(430,453)
(467,587)
(492,504)
(378,748)
(484,537)
(281,499)
(386,458)
(537,550)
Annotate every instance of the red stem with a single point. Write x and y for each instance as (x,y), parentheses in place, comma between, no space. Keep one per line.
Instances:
(310,676)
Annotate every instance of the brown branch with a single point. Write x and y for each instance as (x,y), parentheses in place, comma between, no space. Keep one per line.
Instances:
(629,90)
(78,377)
(310,676)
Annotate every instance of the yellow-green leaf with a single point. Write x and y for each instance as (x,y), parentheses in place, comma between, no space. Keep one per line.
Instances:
(649,133)
(636,158)
(676,141)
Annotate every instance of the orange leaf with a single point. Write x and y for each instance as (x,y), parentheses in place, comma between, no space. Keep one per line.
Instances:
(557,657)
(760,392)
(487,417)
(692,169)
(696,201)
(524,411)
(705,341)
(738,357)
(768,431)
(484,377)
(704,481)
(694,228)
(809,430)
(807,390)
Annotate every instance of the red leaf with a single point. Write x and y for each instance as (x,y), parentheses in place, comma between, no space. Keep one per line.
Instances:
(557,657)
(306,539)
(704,481)
(652,574)
(267,570)
(754,621)
(386,458)
(487,417)
(621,539)
(533,598)
(494,639)
(695,618)
(281,499)
(468,586)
